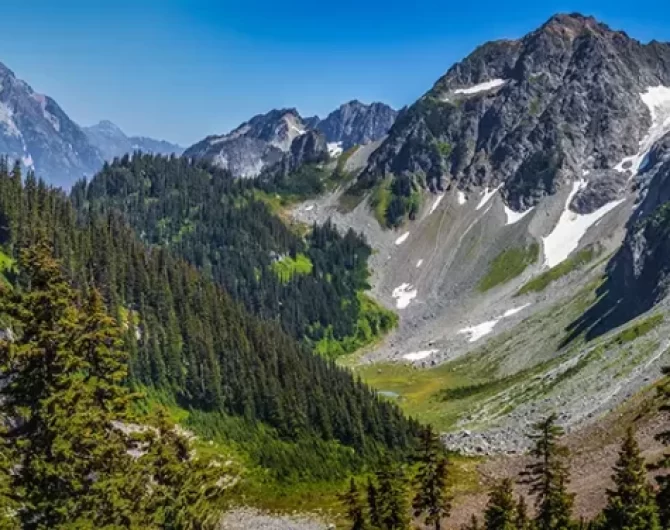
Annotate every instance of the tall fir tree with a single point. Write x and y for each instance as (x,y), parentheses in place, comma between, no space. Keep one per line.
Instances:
(74,464)
(631,506)
(522,521)
(501,510)
(548,476)
(353,505)
(391,498)
(432,499)
(374,511)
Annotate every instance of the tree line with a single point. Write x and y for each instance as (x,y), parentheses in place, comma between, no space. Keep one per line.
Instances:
(189,340)
(632,504)
(223,227)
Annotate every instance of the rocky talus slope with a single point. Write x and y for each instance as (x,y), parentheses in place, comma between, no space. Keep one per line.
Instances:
(536,262)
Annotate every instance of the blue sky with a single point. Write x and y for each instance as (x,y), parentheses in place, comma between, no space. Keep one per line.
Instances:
(182,69)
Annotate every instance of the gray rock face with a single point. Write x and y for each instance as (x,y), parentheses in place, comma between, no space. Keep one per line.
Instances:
(35,130)
(308,148)
(254,145)
(262,141)
(530,114)
(112,142)
(639,274)
(356,123)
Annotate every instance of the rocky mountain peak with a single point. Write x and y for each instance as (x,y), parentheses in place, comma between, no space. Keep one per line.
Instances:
(263,140)
(572,100)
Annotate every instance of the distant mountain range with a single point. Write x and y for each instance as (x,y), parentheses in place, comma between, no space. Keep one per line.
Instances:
(264,139)
(36,131)
(111,142)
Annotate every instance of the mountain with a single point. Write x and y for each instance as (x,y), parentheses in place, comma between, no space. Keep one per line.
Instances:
(35,130)
(257,143)
(518,214)
(356,123)
(112,142)
(264,139)
(529,115)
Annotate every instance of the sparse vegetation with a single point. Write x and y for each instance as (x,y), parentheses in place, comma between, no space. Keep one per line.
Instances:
(287,267)
(540,283)
(637,330)
(509,264)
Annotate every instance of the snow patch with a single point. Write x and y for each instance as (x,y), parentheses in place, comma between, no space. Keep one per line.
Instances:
(462,198)
(657,100)
(515,310)
(571,227)
(418,355)
(335,149)
(402,238)
(419,263)
(480,330)
(404,294)
(486,197)
(436,203)
(7,118)
(309,208)
(515,217)
(481,87)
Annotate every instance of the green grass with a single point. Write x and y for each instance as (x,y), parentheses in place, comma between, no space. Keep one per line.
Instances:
(287,267)
(421,393)
(380,200)
(507,265)
(636,330)
(374,321)
(7,265)
(539,283)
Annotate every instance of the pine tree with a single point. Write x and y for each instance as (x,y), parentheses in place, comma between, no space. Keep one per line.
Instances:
(432,498)
(351,500)
(473,524)
(522,521)
(631,506)
(373,505)
(548,477)
(184,485)
(71,451)
(501,510)
(391,499)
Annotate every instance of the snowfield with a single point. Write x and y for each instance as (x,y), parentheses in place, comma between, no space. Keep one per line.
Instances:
(486,197)
(461,198)
(402,238)
(483,329)
(436,203)
(515,217)
(481,87)
(335,149)
(571,227)
(404,294)
(657,99)
(418,355)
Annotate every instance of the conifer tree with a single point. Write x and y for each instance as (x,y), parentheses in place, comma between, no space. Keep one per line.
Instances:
(631,506)
(501,510)
(73,462)
(391,498)
(548,476)
(472,524)
(351,500)
(522,521)
(431,498)
(373,505)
